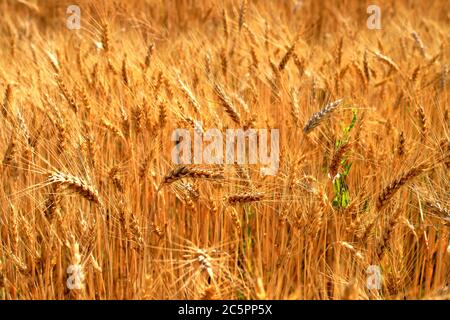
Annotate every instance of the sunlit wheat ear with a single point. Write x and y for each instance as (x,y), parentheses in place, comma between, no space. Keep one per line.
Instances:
(136,233)
(366,66)
(336,159)
(294,107)
(14,228)
(17,262)
(227,104)
(54,62)
(187,193)
(350,247)
(422,122)
(288,55)
(299,63)
(401,148)
(419,44)
(195,267)
(52,202)
(189,95)
(415,74)
(410,227)
(105,38)
(113,128)
(439,210)
(204,261)
(7,105)
(62,135)
(149,55)
(318,117)
(235,219)
(162,114)
(11,150)
(224,62)
(67,95)
(76,185)
(386,235)
(242,14)
(114,176)
(255,61)
(387,60)
(23,128)
(225,23)
(443,152)
(360,73)
(243,174)
(145,164)
(390,190)
(124,71)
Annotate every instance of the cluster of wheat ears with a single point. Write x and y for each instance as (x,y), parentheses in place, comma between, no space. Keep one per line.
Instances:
(88,182)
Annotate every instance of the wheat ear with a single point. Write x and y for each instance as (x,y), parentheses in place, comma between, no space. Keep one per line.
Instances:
(75,184)
(318,117)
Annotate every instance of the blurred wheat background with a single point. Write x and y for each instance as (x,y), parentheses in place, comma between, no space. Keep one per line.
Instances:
(88,183)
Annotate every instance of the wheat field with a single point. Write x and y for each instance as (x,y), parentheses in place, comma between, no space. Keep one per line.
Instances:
(92,206)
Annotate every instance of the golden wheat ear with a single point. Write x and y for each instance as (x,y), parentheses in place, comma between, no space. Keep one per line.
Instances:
(189,172)
(76,185)
(390,190)
(227,104)
(245,198)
